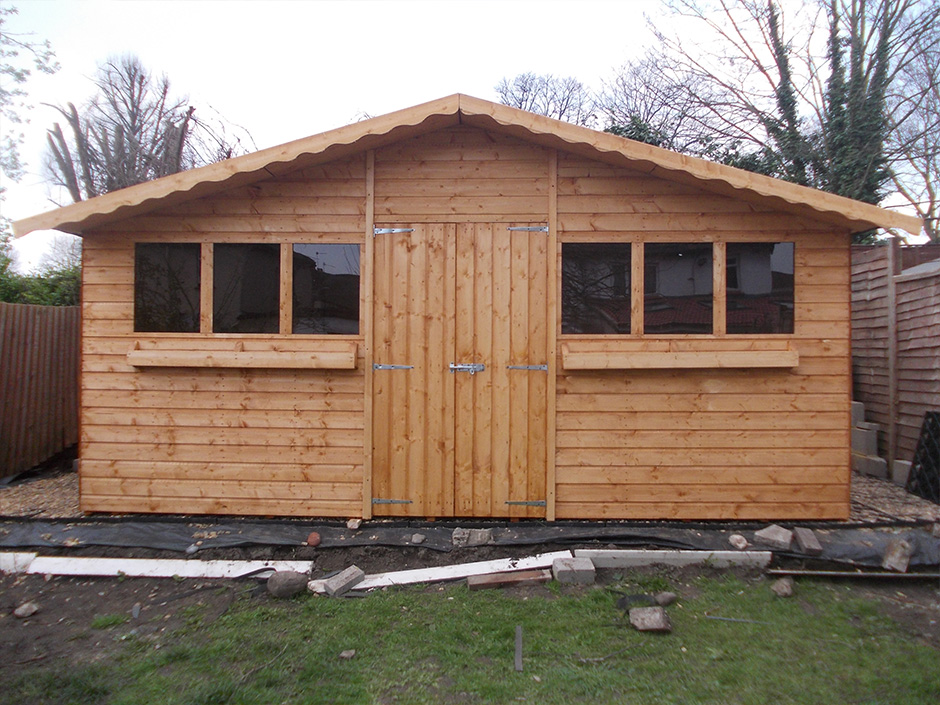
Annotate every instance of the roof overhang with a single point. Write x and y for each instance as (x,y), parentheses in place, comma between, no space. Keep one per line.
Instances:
(374,133)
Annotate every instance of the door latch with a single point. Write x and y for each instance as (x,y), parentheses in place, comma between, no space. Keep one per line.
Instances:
(471,367)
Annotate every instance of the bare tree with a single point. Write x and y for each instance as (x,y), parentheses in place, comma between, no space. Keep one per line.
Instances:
(561,98)
(133,130)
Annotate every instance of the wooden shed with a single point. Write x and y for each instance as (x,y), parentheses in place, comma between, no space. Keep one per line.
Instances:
(465,310)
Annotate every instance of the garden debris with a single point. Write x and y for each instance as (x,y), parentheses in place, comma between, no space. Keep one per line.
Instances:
(738,541)
(634,558)
(664,599)
(650,619)
(775,536)
(418,539)
(575,570)
(347,654)
(354,524)
(287,583)
(783,587)
(518,655)
(313,539)
(498,580)
(458,572)
(466,538)
(35,564)
(806,541)
(898,555)
(626,602)
(26,610)
(342,582)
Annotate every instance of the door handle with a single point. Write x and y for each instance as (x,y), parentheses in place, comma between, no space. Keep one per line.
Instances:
(471,367)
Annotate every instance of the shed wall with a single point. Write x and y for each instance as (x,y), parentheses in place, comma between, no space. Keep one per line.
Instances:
(647,443)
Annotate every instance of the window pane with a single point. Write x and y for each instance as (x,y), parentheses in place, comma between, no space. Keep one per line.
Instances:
(760,287)
(680,298)
(246,288)
(166,288)
(326,289)
(595,287)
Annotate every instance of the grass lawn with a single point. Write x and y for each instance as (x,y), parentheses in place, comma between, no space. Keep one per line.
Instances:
(449,645)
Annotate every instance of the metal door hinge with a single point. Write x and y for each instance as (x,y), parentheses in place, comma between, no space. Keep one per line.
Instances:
(377,366)
(376,500)
(543,368)
(532,503)
(390,231)
(471,367)
(529,228)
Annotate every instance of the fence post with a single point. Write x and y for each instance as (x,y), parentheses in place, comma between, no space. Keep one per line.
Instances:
(894,268)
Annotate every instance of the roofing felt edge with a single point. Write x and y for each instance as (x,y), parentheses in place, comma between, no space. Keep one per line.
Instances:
(114,206)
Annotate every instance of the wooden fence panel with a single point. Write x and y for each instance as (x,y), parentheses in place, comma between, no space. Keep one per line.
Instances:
(39,354)
(896,341)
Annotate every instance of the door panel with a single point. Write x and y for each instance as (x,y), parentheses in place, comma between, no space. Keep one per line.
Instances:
(412,430)
(454,443)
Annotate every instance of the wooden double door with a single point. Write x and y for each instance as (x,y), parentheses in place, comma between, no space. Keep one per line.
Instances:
(460,376)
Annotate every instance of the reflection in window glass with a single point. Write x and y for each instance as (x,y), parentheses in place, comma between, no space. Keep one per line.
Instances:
(680,299)
(166,287)
(595,287)
(760,287)
(246,288)
(326,288)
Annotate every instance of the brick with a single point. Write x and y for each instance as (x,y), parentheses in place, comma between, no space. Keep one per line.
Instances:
(574,570)
(775,536)
(650,619)
(496,580)
(343,582)
(807,542)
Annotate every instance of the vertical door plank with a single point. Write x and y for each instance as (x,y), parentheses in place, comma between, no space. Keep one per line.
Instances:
(519,380)
(399,380)
(498,239)
(541,330)
(464,431)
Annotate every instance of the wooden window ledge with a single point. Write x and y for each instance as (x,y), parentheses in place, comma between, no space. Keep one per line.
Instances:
(336,356)
(587,356)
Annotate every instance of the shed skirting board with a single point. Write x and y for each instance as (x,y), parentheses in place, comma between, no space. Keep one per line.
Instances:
(33,564)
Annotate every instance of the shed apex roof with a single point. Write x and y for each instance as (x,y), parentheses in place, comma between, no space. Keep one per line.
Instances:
(427,117)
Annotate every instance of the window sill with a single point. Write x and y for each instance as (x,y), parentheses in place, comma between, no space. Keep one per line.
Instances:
(648,355)
(326,356)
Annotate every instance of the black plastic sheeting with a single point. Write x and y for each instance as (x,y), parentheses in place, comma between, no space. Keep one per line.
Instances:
(858,546)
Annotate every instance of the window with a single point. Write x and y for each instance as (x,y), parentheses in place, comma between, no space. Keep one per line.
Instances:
(166,287)
(246,288)
(680,300)
(326,288)
(595,287)
(760,298)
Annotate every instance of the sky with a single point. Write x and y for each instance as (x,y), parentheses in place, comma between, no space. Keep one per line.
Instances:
(287,69)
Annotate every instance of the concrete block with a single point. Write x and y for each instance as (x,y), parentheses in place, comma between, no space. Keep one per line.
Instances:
(633,558)
(864,441)
(574,570)
(463,538)
(775,536)
(858,412)
(897,556)
(900,471)
(870,465)
(807,542)
(650,619)
(343,582)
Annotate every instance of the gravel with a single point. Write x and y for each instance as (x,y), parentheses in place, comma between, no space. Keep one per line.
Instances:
(56,496)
